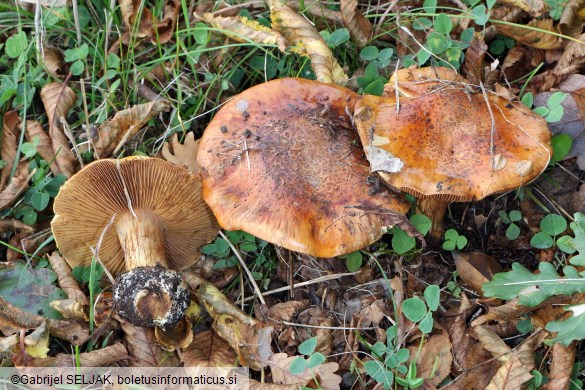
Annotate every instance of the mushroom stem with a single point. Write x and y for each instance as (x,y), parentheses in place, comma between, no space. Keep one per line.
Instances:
(435,209)
(142,238)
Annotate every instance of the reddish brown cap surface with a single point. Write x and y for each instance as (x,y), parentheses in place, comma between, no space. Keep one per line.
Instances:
(282,162)
(443,135)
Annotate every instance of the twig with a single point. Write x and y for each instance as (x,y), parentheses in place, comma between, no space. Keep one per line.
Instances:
(250,276)
(71,139)
(96,250)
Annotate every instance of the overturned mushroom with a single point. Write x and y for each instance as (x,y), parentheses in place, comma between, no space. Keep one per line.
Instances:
(143,215)
(448,141)
(281,161)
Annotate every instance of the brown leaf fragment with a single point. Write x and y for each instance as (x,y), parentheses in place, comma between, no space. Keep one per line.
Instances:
(360,29)
(144,349)
(521,60)
(533,7)
(317,9)
(183,155)
(66,281)
(284,311)
(7,345)
(70,309)
(299,32)
(209,350)
(533,38)
(37,342)
(71,331)
(148,26)
(9,225)
(572,18)
(178,336)
(114,133)
(435,358)
(473,65)
(45,147)
(242,29)
(563,359)
(16,187)
(58,99)
(476,268)
(102,357)
(9,145)
(53,60)
(324,373)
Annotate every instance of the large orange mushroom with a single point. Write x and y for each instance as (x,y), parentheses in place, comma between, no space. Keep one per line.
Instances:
(435,136)
(282,161)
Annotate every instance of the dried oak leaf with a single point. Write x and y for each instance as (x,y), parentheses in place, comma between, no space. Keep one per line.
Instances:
(279,364)
(58,99)
(142,346)
(572,18)
(435,357)
(71,331)
(561,368)
(45,147)
(360,29)
(183,155)
(242,29)
(114,133)
(209,350)
(476,268)
(9,225)
(66,281)
(301,34)
(102,357)
(538,39)
(9,145)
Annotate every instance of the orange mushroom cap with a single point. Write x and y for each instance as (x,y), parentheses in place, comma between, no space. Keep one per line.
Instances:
(451,143)
(281,161)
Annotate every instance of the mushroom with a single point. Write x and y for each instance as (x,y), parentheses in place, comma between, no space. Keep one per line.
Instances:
(139,214)
(450,141)
(282,161)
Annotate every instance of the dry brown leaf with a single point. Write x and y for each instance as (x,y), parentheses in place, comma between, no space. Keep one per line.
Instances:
(434,357)
(299,32)
(53,61)
(70,309)
(16,187)
(37,342)
(8,225)
(71,331)
(102,357)
(142,346)
(45,147)
(183,155)
(58,99)
(243,29)
(9,145)
(209,350)
(474,60)
(179,336)
(114,133)
(561,368)
(476,268)
(284,311)
(321,324)
(521,60)
(533,38)
(148,25)
(66,281)
(7,345)
(360,29)
(316,8)
(572,18)
(324,373)
(533,7)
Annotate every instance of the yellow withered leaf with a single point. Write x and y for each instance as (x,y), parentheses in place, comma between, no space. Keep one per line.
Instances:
(360,29)
(299,32)
(539,39)
(243,29)
(533,7)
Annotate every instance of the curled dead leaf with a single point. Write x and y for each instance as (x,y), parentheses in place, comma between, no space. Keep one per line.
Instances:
(144,349)
(533,7)
(53,60)
(243,29)
(179,336)
(301,34)
(572,18)
(473,66)
(360,29)
(8,225)
(435,358)
(563,359)
(58,99)
(9,145)
(539,39)
(102,357)
(44,147)
(317,9)
(476,268)
(113,134)
(209,350)
(284,311)
(148,26)
(66,281)
(37,342)
(16,187)
(183,155)
(70,309)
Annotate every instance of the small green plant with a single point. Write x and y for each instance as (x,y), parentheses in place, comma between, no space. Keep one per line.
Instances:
(312,360)
(500,44)
(77,57)
(82,275)
(513,230)
(381,58)
(561,144)
(453,285)
(371,83)
(550,226)
(335,38)
(353,261)
(454,241)
(556,8)
(553,111)
(402,242)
